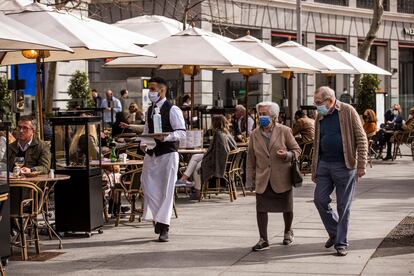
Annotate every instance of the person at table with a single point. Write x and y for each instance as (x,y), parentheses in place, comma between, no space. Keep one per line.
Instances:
(239,123)
(370,122)
(36,153)
(387,130)
(82,144)
(3,143)
(112,105)
(160,168)
(135,115)
(213,163)
(124,99)
(409,124)
(303,126)
(390,113)
(97,100)
(271,150)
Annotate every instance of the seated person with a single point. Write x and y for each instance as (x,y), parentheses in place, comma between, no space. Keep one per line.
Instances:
(303,126)
(384,135)
(135,115)
(213,163)
(3,141)
(370,122)
(36,153)
(239,124)
(120,117)
(79,145)
(409,124)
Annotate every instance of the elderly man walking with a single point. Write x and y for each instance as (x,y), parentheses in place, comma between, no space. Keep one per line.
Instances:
(339,159)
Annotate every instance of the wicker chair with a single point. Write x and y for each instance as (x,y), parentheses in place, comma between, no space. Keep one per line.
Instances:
(237,169)
(24,210)
(305,158)
(227,178)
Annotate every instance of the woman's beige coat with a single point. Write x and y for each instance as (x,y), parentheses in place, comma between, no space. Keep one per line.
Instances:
(263,165)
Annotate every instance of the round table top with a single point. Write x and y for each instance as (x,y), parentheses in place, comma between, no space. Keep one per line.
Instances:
(119,163)
(192,151)
(41,178)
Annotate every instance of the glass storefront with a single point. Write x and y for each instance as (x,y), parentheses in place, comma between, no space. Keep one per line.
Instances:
(406,77)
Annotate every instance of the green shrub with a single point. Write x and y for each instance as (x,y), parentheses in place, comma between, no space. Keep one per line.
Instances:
(366,92)
(79,91)
(5,99)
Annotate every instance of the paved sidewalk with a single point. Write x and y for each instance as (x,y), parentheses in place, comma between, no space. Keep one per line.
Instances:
(214,237)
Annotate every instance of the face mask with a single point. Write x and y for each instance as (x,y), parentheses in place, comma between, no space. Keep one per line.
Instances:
(322,109)
(154,96)
(264,121)
(395,112)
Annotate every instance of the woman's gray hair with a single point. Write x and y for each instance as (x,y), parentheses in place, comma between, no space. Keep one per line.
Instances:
(326,92)
(273,108)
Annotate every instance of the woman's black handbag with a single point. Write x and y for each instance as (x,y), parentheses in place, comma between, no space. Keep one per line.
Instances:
(295,174)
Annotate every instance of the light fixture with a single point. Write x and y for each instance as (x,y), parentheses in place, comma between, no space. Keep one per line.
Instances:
(287,74)
(248,72)
(33,54)
(191,70)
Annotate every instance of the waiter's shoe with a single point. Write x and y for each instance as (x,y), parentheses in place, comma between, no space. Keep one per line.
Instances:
(163,235)
(157,228)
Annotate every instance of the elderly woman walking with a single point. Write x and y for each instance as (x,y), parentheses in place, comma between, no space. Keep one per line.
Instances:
(272,146)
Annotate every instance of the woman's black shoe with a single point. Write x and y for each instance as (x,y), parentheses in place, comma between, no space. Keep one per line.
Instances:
(387,158)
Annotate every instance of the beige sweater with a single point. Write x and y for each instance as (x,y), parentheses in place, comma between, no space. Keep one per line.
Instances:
(353,137)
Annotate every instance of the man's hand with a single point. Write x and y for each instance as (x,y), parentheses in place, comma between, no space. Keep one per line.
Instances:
(281,154)
(360,172)
(123,125)
(143,147)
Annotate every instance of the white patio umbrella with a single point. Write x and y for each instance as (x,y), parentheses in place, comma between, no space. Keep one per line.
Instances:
(10,5)
(274,56)
(322,62)
(190,51)
(360,66)
(155,26)
(88,38)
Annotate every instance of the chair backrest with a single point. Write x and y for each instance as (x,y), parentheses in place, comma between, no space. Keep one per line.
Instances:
(230,160)
(3,198)
(134,179)
(26,198)
(307,150)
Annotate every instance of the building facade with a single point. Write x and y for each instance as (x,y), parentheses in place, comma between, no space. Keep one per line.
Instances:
(343,23)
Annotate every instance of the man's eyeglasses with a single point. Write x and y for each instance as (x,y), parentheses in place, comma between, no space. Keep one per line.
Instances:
(319,103)
(23,128)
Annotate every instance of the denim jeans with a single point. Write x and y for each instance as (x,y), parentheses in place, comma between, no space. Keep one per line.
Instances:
(330,176)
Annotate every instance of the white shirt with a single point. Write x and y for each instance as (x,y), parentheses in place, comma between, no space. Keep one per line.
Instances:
(25,147)
(107,113)
(250,124)
(176,120)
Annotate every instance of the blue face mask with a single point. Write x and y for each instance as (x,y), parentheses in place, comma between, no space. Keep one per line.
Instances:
(322,109)
(264,121)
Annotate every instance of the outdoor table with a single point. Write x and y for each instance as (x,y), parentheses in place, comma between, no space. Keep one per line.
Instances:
(192,151)
(46,184)
(117,163)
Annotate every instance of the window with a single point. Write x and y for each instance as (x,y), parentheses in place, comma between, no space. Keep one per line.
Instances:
(334,2)
(405,6)
(406,78)
(369,4)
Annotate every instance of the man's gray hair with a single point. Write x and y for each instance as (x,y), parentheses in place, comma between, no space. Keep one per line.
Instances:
(240,107)
(273,108)
(326,92)
(28,118)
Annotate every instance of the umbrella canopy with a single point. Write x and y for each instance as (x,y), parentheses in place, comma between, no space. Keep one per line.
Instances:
(88,38)
(10,5)
(17,36)
(154,26)
(193,47)
(359,65)
(274,56)
(322,62)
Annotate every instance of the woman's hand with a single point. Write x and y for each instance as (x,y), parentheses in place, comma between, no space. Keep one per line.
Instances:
(282,153)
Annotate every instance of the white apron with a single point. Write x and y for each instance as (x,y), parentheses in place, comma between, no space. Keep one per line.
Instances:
(159,175)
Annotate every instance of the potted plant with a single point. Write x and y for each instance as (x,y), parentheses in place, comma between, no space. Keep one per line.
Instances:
(79,91)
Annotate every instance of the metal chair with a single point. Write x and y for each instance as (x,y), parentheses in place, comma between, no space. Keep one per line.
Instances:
(237,169)
(3,199)
(305,158)
(25,206)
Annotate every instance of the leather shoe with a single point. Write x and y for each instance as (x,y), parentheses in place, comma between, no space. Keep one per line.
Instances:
(330,242)
(163,236)
(157,228)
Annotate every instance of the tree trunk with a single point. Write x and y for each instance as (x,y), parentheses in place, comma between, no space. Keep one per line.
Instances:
(365,48)
(50,88)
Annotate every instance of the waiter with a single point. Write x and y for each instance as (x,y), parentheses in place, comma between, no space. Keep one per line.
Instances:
(160,169)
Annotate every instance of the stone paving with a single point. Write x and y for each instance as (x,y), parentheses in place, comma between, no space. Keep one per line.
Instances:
(214,237)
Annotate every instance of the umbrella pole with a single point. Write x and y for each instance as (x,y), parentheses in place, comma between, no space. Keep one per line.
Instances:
(39,118)
(246,98)
(192,102)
